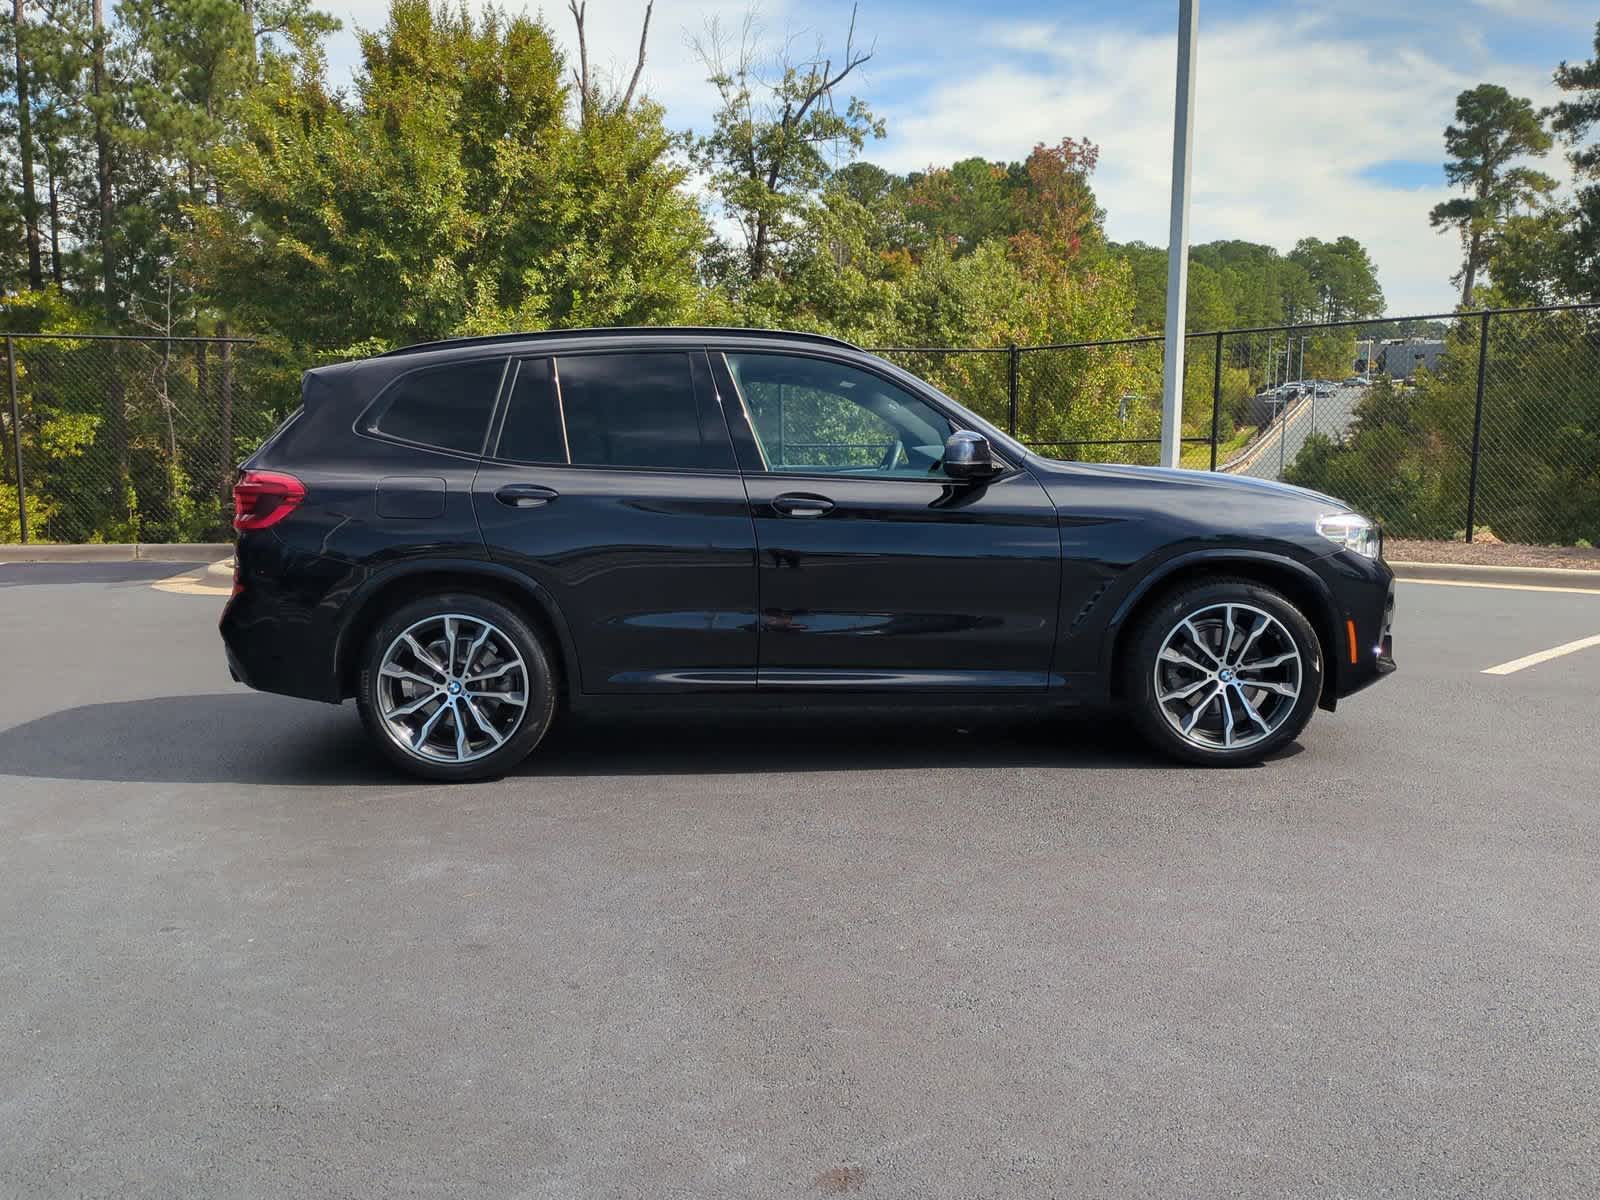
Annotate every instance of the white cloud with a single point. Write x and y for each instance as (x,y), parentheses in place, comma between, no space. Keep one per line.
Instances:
(1288,115)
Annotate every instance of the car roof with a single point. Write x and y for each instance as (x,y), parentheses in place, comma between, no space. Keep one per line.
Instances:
(626,333)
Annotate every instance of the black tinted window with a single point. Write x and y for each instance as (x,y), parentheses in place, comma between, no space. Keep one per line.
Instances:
(532,429)
(443,406)
(636,410)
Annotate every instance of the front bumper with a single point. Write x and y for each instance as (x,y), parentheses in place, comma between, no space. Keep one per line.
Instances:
(1362,649)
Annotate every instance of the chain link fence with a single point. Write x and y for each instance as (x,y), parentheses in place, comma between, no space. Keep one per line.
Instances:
(1091,401)
(130,438)
(1481,425)
(1445,426)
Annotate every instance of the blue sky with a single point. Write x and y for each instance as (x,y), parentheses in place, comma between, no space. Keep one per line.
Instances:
(1313,119)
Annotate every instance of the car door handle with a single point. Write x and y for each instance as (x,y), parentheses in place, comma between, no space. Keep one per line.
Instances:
(525,495)
(798,504)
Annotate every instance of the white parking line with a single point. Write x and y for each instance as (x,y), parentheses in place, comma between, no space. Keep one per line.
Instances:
(1533,660)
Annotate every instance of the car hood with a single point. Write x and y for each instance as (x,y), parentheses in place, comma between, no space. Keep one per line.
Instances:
(1171,476)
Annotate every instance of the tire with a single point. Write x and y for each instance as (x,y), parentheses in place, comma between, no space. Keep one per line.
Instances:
(412,711)
(1179,664)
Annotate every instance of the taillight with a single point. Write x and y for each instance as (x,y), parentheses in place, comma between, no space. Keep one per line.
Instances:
(263,498)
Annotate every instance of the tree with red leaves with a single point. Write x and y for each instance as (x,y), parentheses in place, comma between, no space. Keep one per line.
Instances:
(1057,212)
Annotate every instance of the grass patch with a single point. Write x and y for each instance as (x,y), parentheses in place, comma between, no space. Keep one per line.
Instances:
(1197,455)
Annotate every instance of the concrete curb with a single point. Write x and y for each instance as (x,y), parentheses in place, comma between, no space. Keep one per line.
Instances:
(178,552)
(1474,573)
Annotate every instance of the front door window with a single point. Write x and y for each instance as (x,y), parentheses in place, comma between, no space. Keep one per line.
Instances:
(813,416)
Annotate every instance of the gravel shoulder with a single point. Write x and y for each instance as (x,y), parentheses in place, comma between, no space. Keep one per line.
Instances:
(1491,554)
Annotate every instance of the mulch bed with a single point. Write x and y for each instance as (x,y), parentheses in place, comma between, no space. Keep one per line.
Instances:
(1491,554)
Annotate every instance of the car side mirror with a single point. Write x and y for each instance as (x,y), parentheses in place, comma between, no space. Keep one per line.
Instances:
(968,456)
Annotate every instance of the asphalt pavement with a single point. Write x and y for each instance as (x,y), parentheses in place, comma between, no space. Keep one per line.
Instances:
(752,957)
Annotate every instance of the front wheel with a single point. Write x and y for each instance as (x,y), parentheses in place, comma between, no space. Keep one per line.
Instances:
(455,687)
(1223,673)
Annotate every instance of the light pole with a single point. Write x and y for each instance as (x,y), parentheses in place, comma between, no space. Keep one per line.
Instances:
(1178,239)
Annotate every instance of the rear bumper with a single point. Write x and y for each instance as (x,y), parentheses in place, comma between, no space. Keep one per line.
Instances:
(276,632)
(261,655)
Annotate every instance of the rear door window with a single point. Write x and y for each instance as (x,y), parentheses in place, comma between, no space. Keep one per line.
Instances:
(447,407)
(532,431)
(613,410)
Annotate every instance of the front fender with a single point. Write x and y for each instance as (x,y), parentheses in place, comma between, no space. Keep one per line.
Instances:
(1296,578)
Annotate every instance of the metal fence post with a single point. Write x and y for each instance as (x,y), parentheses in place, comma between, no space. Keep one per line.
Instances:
(1216,397)
(1477,423)
(16,441)
(1282,429)
(1014,356)
(226,420)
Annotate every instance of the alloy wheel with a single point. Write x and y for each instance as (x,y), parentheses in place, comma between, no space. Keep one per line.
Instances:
(452,688)
(1228,676)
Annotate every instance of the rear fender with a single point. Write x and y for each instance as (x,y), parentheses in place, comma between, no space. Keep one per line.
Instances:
(366,605)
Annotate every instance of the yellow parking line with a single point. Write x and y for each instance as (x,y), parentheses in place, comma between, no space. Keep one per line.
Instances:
(1533,660)
(1505,587)
(202,581)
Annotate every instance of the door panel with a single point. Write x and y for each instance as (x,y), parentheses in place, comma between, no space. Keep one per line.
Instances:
(878,571)
(653,570)
(903,583)
(638,528)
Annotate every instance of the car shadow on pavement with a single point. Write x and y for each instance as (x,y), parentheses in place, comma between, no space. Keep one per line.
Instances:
(231,737)
(248,737)
(757,743)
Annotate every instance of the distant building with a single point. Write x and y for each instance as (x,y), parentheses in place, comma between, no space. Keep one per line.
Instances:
(1401,358)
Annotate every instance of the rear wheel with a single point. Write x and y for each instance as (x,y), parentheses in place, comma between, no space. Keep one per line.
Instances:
(1223,673)
(455,687)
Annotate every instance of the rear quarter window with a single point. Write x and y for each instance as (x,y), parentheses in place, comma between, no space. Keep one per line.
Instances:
(446,407)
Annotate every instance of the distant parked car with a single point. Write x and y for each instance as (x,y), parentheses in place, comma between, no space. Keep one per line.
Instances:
(469,536)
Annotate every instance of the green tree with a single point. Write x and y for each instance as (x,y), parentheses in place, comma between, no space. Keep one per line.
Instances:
(963,205)
(1493,130)
(451,195)
(1532,257)
(773,140)
(1342,276)
(1210,298)
(1572,120)
(22,105)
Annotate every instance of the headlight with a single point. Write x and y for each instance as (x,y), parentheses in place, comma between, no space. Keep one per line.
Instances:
(1353,532)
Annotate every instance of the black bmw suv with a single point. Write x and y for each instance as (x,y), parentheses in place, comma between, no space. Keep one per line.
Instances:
(467,535)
